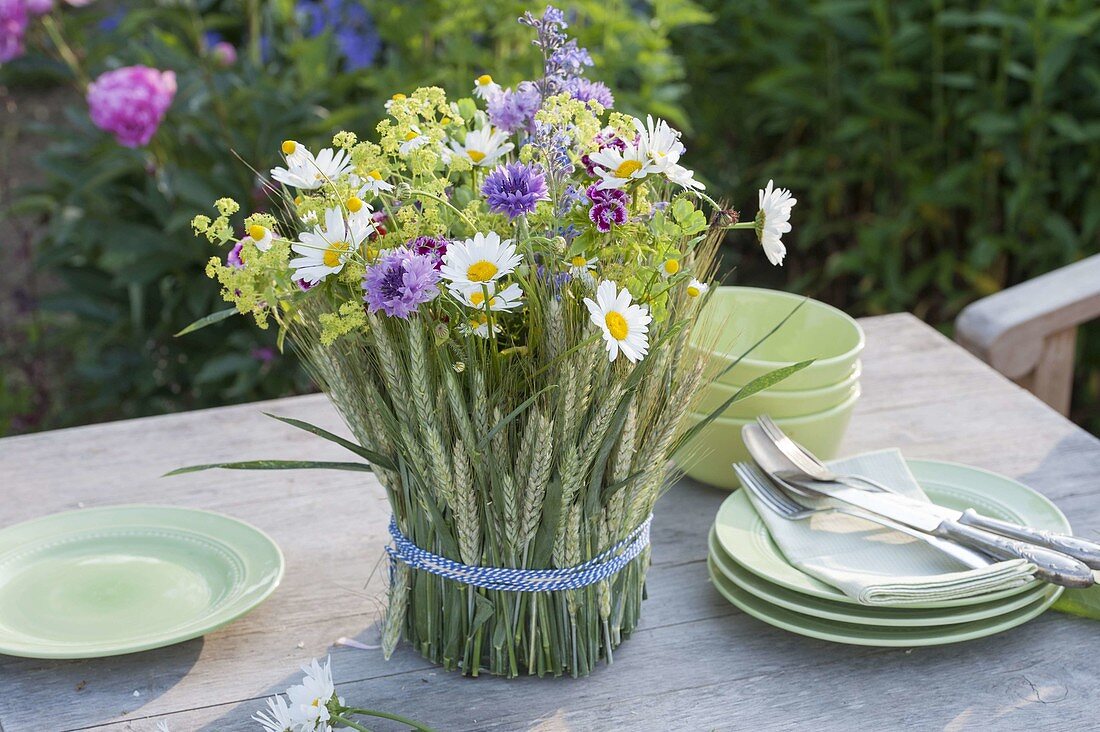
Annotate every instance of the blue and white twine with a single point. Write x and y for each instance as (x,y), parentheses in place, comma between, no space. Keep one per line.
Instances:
(511,579)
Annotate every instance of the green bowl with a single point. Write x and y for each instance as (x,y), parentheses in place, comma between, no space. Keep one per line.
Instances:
(778,404)
(710,457)
(737,317)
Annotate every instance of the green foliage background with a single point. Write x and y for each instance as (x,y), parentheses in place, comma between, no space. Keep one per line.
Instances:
(939,152)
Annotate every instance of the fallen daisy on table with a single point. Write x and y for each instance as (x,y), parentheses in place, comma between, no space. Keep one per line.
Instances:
(314,706)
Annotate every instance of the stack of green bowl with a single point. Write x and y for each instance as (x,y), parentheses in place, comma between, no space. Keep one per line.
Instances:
(813,405)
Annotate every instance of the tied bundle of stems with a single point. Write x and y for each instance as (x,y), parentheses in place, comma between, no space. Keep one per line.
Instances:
(535,459)
(506,337)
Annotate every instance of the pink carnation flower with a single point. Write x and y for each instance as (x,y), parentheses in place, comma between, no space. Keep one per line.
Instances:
(13,27)
(130,102)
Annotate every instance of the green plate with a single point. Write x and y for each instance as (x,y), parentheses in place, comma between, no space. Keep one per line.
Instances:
(872,635)
(105,581)
(745,539)
(862,614)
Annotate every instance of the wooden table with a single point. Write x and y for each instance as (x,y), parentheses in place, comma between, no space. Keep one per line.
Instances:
(696,663)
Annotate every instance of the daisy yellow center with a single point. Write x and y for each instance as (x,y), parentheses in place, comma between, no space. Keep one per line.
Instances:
(482,271)
(374,174)
(257,232)
(672,267)
(477,298)
(476,155)
(398,97)
(354,204)
(484,80)
(693,291)
(616,325)
(289,146)
(297,200)
(627,168)
(579,261)
(332,255)
(410,135)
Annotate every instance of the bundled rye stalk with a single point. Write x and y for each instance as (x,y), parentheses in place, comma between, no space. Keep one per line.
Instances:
(498,305)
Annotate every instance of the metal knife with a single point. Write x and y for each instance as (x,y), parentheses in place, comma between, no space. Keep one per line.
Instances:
(1051,566)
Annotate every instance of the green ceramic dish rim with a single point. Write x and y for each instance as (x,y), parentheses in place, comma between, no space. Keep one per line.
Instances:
(802,419)
(846,383)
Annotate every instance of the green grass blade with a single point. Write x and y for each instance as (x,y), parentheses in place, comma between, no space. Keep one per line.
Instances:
(376,458)
(766,336)
(756,385)
(275,465)
(208,320)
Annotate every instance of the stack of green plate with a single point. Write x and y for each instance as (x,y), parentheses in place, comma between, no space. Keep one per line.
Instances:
(750,571)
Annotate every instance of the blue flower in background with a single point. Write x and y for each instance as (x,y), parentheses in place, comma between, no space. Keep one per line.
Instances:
(352,28)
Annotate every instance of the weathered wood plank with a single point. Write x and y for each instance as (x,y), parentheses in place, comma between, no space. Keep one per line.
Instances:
(695,663)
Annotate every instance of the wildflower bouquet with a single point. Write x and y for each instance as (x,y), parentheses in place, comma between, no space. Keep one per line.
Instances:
(497,295)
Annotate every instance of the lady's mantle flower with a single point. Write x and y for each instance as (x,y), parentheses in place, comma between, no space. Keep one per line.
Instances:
(469,264)
(13,28)
(508,298)
(399,282)
(306,172)
(515,189)
(773,221)
(482,147)
(608,207)
(625,326)
(131,102)
(325,250)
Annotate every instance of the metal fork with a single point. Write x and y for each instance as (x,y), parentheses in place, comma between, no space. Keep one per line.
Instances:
(779,502)
(808,463)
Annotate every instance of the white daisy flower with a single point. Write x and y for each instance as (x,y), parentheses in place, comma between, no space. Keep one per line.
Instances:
(485,87)
(261,236)
(681,176)
(373,185)
(696,288)
(309,700)
(414,139)
(306,172)
(482,147)
(277,717)
(659,143)
(619,167)
(773,221)
(477,325)
(485,258)
(670,267)
(625,326)
(326,249)
(581,267)
(508,298)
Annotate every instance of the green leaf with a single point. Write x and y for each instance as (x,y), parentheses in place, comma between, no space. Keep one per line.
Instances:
(1083,603)
(376,458)
(208,320)
(756,385)
(275,465)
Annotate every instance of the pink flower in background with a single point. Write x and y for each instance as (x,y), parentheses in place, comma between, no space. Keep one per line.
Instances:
(38,7)
(79,3)
(13,27)
(130,102)
(225,53)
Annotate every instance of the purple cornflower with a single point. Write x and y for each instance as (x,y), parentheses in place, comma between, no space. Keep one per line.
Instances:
(13,28)
(399,282)
(234,257)
(130,102)
(430,246)
(608,209)
(352,28)
(586,90)
(515,188)
(513,110)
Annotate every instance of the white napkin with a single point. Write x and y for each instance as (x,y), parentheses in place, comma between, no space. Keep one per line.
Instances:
(876,565)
